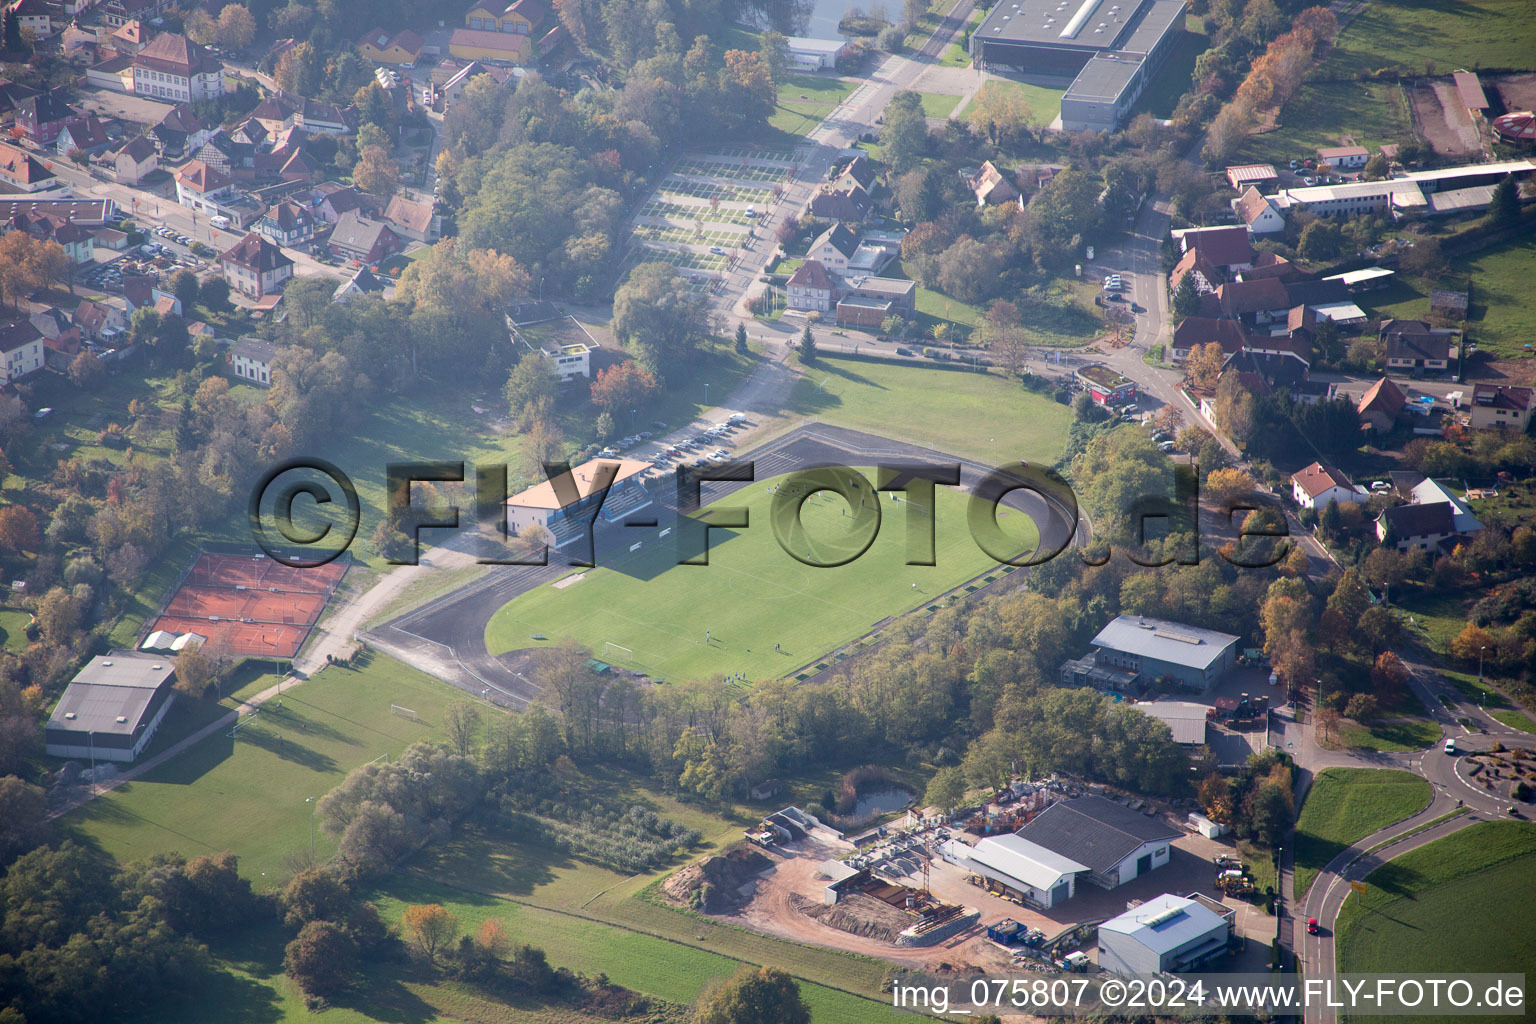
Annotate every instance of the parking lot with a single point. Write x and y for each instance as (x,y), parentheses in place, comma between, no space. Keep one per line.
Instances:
(167,255)
(702,449)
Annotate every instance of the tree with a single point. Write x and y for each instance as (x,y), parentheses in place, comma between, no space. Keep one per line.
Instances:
(200,27)
(215,293)
(375,173)
(235,28)
(1226,486)
(806,349)
(1389,678)
(657,315)
(430,927)
(462,724)
(195,672)
(18,529)
(493,938)
(741,339)
(623,387)
(1377,167)
(530,389)
(1363,707)
(11,40)
(1471,642)
(763,995)
(1319,240)
(1425,258)
(314,894)
(1186,298)
(183,285)
(321,959)
(1385,568)
(1504,207)
(27,264)
(946,790)
(24,809)
(1330,519)
(1203,366)
(58,615)
(904,135)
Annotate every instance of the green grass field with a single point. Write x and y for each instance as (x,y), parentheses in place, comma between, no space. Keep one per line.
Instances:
(1322,113)
(1499,319)
(13,629)
(1344,806)
(247,794)
(1515,720)
(937,104)
(1415,34)
(980,415)
(1458,904)
(1044,101)
(752,594)
(1389,737)
(805,100)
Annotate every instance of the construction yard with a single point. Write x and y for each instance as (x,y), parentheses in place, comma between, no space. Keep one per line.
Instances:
(891,894)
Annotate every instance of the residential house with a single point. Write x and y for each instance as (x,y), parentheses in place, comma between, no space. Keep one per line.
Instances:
(1318,293)
(381,47)
(282,110)
(86,134)
(20,171)
(255,267)
(138,292)
(12,93)
(862,170)
(446,82)
(40,118)
(810,288)
(174,68)
(1207,277)
(236,160)
(1256,302)
(1228,248)
(287,223)
(1258,214)
(117,13)
(135,160)
(1317,485)
(180,133)
(361,283)
(360,238)
(250,359)
(1269,264)
(1412,346)
(42,17)
(251,132)
(21,348)
(1433,519)
(1499,406)
(1194,331)
(1343,158)
(411,219)
(130,38)
(201,187)
(494,32)
(1279,361)
(339,200)
(1380,406)
(98,320)
(991,187)
(77,240)
(841,201)
(834,247)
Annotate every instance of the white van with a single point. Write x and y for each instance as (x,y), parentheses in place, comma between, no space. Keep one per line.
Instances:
(219,221)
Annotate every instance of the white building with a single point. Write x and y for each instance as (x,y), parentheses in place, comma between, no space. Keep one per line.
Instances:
(1166,934)
(250,359)
(567,514)
(1022,869)
(807,54)
(1185,719)
(1317,485)
(175,69)
(21,349)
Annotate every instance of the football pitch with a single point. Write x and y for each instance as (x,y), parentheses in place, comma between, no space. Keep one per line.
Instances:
(754,609)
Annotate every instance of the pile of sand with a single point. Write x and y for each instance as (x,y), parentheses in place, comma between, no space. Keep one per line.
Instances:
(724,875)
(857,914)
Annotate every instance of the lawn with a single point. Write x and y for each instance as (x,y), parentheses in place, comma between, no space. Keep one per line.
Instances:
(1389,737)
(1422,34)
(1438,615)
(1067,322)
(1323,113)
(980,415)
(1044,102)
(1461,903)
(937,104)
(1515,720)
(13,629)
(805,101)
(1344,806)
(752,595)
(1499,319)
(955,54)
(248,794)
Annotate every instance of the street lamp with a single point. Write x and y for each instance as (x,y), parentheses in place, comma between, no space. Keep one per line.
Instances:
(706,394)
(1480,651)
(311,801)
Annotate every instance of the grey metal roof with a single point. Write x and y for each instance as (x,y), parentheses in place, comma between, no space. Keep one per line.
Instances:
(258,350)
(1165,923)
(111,694)
(1094,831)
(1172,642)
(1185,719)
(1073,24)
(1103,78)
(1018,858)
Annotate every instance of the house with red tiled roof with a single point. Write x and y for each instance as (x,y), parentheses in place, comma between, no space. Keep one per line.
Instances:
(255,267)
(810,288)
(381,47)
(1317,485)
(21,348)
(1195,331)
(288,224)
(1258,302)
(1258,214)
(360,238)
(1379,407)
(1207,277)
(411,219)
(1500,407)
(1229,248)
(201,187)
(87,134)
(40,118)
(20,171)
(175,69)
(134,161)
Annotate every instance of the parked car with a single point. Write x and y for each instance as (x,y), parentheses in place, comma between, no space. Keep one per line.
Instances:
(903,351)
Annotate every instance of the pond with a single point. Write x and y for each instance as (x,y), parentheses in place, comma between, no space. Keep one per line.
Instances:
(814,18)
(876,802)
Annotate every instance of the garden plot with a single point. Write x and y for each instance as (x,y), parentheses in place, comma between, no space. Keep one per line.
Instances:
(677,185)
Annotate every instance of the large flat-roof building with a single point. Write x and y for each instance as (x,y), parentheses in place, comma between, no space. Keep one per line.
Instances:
(1460,189)
(1133,649)
(1111,47)
(1168,933)
(111,709)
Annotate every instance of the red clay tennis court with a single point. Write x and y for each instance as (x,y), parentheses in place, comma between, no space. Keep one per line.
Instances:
(250,605)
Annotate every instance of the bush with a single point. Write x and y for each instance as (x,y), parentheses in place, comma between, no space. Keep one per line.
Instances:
(891,39)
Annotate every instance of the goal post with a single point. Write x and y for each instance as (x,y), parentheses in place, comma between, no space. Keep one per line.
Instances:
(403,712)
(610,648)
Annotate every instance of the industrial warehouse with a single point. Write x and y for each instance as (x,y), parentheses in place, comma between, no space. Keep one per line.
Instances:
(1112,47)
